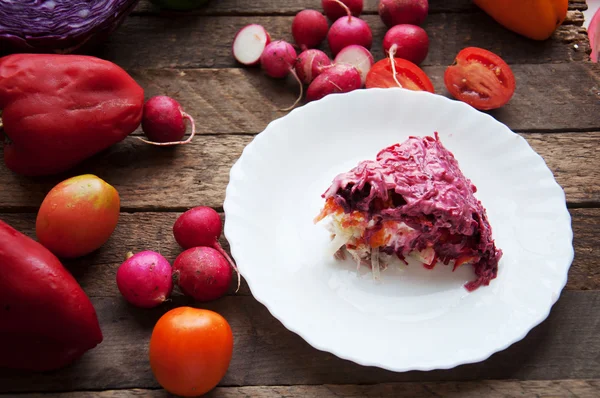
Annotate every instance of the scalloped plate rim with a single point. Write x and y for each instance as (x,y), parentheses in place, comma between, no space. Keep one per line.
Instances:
(229,231)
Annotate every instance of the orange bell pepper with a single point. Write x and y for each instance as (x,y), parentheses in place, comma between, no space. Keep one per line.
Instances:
(536,19)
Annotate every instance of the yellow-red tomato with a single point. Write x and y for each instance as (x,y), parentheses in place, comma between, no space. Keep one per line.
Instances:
(78,216)
(190,350)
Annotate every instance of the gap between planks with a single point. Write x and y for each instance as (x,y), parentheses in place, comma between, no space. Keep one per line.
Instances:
(485,388)
(291,7)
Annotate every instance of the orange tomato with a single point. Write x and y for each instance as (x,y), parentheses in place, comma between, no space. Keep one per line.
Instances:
(78,216)
(190,350)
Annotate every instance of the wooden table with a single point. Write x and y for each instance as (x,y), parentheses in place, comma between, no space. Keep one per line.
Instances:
(556,108)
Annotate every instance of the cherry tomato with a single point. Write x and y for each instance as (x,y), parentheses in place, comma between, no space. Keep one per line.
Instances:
(409,75)
(480,78)
(78,216)
(190,350)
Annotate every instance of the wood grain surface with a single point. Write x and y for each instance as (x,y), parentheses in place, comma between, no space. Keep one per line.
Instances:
(188,56)
(151,178)
(182,42)
(565,346)
(153,231)
(291,7)
(478,389)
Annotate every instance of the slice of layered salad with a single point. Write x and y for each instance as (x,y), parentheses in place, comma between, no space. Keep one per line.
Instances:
(412,200)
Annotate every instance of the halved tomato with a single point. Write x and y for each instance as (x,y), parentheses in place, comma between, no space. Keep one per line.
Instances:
(409,75)
(480,78)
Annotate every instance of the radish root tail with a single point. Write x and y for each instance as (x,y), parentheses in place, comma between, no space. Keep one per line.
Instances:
(345,8)
(392,52)
(293,72)
(189,139)
(230,261)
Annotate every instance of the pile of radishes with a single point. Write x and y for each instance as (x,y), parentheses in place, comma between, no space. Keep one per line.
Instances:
(349,38)
(203,271)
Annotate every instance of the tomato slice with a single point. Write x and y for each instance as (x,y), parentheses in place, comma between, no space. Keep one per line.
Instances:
(480,78)
(409,75)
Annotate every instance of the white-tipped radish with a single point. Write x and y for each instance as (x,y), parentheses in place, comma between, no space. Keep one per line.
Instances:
(340,78)
(347,31)
(309,29)
(396,12)
(278,60)
(357,56)
(249,44)
(409,42)
(144,279)
(334,10)
(310,64)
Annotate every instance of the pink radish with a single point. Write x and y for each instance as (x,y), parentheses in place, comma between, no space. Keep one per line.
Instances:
(347,31)
(409,42)
(357,56)
(202,273)
(310,64)
(309,29)
(163,122)
(334,10)
(249,43)
(201,226)
(144,279)
(278,60)
(340,78)
(594,35)
(396,12)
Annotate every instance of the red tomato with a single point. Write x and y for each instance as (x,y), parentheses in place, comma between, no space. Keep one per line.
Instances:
(78,216)
(190,350)
(408,74)
(480,78)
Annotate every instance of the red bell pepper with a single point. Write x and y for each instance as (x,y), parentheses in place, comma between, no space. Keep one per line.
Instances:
(46,319)
(58,110)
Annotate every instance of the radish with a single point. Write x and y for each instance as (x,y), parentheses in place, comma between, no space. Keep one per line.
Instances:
(594,35)
(347,31)
(278,60)
(340,78)
(396,12)
(163,122)
(357,56)
(249,43)
(201,226)
(309,29)
(409,42)
(334,10)
(144,279)
(310,64)
(202,273)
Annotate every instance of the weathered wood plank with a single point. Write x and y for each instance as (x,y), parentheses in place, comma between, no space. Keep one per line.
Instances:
(135,232)
(565,346)
(152,231)
(151,178)
(204,41)
(468,389)
(291,7)
(548,97)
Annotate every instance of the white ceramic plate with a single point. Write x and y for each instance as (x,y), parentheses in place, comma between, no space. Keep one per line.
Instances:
(413,319)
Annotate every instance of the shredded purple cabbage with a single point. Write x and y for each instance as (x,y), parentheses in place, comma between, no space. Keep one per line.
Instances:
(58,25)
